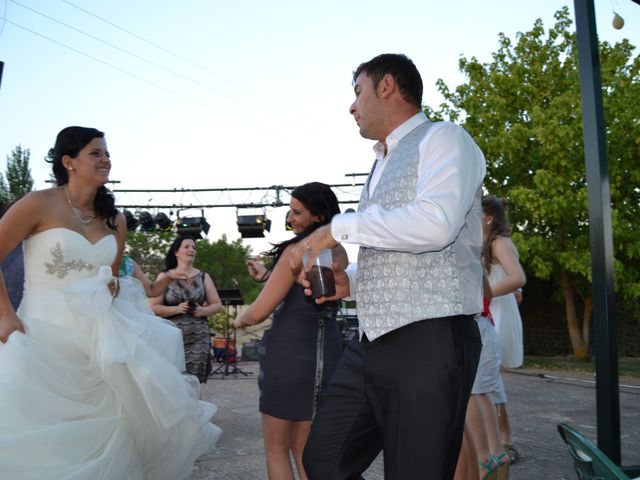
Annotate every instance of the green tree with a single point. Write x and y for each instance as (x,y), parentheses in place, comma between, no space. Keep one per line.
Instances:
(149,249)
(225,261)
(524,110)
(5,196)
(18,176)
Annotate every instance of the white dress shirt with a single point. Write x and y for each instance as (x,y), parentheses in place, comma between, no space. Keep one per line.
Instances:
(447,179)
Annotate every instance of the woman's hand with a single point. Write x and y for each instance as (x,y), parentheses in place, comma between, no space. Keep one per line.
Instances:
(114,286)
(176,276)
(9,323)
(239,324)
(199,311)
(257,270)
(182,308)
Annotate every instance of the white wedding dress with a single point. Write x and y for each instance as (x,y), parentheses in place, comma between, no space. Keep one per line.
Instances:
(93,389)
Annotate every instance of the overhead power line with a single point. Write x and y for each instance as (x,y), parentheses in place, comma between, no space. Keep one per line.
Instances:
(138,77)
(187,60)
(152,63)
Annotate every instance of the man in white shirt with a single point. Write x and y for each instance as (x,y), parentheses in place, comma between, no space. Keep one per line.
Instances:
(404,384)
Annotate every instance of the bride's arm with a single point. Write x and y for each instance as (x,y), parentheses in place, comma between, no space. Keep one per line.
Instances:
(9,321)
(20,220)
(121,237)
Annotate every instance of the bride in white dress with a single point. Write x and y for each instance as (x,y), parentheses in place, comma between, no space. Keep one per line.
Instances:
(90,381)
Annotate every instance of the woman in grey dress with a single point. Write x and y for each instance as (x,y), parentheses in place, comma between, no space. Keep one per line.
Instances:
(302,348)
(188,303)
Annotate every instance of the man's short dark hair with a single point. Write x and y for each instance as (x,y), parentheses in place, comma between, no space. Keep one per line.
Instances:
(403,71)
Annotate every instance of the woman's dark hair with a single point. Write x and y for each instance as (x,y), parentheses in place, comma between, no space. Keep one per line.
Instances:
(496,208)
(320,200)
(69,142)
(170,260)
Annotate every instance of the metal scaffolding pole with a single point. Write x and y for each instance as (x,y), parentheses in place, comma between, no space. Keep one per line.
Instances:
(600,232)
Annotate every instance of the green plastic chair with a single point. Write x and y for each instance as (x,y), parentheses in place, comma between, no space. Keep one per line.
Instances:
(589,461)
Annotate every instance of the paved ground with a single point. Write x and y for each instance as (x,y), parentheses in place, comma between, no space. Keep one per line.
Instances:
(538,401)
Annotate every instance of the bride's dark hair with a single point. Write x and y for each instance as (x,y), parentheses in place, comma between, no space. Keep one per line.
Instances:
(69,142)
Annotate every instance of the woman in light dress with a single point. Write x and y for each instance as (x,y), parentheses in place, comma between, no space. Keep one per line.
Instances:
(505,276)
(87,390)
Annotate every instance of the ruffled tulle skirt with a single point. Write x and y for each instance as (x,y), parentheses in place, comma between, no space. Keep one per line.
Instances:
(94,390)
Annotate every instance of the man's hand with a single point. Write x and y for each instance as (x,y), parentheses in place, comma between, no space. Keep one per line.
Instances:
(8,324)
(321,238)
(343,288)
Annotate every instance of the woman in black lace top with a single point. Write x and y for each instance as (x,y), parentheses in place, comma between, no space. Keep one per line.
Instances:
(188,303)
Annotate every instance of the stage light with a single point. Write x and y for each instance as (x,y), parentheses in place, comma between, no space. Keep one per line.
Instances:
(146,222)
(163,222)
(132,223)
(287,225)
(253,226)
(195,227)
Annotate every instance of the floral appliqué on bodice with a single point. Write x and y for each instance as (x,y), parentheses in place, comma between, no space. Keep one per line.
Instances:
(61,268)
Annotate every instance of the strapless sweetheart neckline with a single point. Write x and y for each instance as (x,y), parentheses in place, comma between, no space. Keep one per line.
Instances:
(76,232)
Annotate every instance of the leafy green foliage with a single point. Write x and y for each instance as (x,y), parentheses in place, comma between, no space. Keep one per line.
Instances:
(227,261)
(18,180)
(524,110)
(149,250)
(223,260)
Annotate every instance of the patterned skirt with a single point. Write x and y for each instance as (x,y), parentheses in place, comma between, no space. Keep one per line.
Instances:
(197,344)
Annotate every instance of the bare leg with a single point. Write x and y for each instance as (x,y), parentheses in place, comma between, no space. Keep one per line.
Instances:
(277,445)
(299,435)
(505,433)
(467,467)
(475,427)
(490,420)
(503,422)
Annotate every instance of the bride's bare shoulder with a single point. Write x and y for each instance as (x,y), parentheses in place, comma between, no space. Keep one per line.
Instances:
(35,205)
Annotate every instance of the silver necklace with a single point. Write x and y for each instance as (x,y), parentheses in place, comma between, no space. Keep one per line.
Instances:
(83,219)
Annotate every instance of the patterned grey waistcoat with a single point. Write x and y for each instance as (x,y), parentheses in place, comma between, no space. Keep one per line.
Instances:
(397,288)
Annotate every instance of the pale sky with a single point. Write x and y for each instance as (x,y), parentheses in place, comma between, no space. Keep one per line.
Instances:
(237,93)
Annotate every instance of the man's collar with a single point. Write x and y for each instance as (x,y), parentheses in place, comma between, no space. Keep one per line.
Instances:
(398,133)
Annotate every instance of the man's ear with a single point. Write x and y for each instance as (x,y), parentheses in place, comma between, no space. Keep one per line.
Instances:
(386,86)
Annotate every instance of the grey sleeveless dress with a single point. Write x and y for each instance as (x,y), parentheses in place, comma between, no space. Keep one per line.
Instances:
(195,331)
(297,356)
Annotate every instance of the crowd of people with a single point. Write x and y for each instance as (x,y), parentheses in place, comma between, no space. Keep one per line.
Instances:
(100,367)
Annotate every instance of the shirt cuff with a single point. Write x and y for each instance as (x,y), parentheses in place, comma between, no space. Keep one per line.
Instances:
(344,227)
